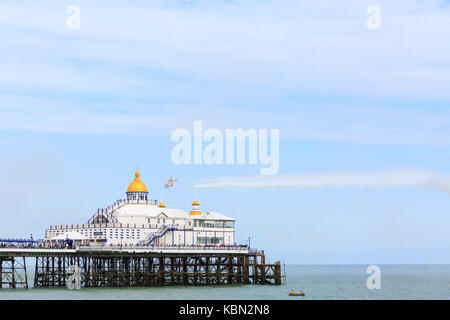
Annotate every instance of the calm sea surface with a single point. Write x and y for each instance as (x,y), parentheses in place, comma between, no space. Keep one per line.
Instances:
(317,281)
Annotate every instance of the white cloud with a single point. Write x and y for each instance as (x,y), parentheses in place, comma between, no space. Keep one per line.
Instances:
(389,179)
(232,63)
(376,125)
(320,47)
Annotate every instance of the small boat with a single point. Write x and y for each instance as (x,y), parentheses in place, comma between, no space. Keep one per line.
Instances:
(300,294)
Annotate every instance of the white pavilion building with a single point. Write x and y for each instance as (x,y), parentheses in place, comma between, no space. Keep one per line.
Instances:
(143,222)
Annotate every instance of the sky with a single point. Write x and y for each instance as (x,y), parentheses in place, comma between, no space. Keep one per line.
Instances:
(363,117)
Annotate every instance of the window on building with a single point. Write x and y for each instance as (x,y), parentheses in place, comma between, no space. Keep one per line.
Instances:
(229,224)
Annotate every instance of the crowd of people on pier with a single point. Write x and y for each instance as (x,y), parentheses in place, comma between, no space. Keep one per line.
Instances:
(59,245)
(18,245)
(35,244)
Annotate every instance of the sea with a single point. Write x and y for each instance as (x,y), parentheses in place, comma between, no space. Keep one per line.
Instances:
(330,282)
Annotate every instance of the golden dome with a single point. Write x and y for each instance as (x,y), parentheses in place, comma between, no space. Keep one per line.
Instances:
(195,203)
(137,185)
(161,205)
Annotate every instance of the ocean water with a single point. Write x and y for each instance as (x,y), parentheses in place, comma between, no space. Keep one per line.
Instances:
(317,281)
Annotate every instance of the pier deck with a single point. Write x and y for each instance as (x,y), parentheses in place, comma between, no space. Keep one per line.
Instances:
(32,252)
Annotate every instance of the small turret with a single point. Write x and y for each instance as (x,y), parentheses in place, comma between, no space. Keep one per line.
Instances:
(195,209)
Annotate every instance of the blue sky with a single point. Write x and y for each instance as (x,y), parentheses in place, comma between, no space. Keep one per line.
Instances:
(79,109)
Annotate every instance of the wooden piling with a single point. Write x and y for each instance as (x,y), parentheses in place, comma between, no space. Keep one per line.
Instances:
(108,269)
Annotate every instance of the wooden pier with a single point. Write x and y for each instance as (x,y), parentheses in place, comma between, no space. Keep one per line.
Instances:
(54,268)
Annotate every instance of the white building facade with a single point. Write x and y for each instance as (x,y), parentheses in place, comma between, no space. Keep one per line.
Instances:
(138,221)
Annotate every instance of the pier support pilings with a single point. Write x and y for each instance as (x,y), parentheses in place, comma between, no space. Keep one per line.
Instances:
(13,272)
(146,270)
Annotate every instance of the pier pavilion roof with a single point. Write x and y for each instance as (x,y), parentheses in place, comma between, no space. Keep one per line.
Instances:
(138,205)
(153,211)
(214,216)
(149,210)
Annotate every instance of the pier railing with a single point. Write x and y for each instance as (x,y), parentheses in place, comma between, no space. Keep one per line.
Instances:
(164,248)
(121,225)
(110,225)
(5,247)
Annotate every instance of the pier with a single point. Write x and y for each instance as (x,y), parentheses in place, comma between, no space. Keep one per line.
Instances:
(138,242)
(138,266)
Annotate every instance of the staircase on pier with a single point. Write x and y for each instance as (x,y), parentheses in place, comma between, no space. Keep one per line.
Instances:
(152,237)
